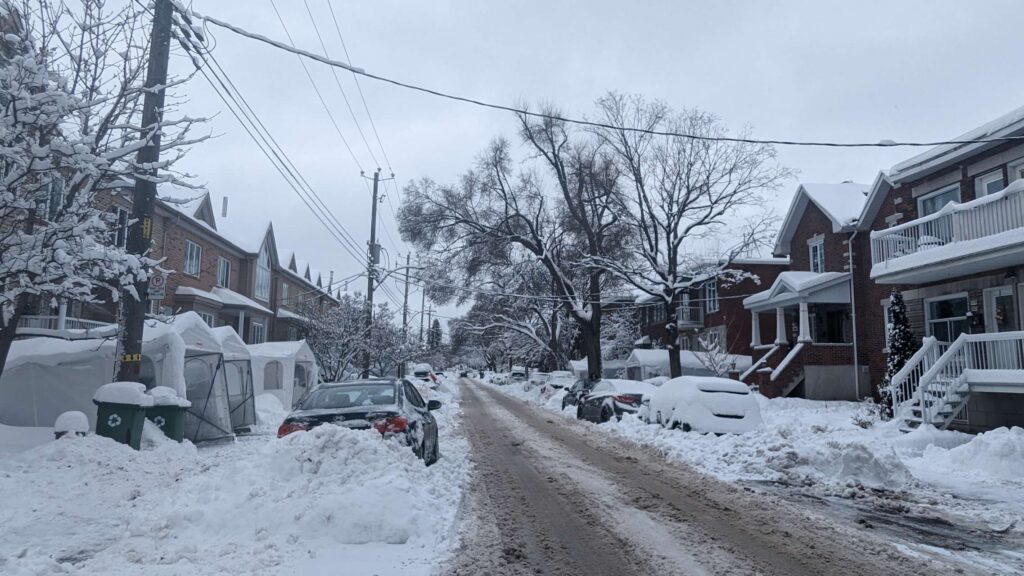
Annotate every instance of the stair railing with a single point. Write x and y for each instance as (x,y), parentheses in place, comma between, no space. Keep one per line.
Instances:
(905,383)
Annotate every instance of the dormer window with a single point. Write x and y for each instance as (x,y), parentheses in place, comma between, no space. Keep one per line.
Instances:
(816,250)
(263,274)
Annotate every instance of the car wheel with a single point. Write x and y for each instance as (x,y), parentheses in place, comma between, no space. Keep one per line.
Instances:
(579,412)
(607,413)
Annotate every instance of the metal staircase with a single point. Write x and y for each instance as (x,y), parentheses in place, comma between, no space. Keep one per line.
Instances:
(936,383)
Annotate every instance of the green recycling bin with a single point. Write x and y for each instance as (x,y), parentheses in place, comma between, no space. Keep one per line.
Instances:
(168,412)
(121,411)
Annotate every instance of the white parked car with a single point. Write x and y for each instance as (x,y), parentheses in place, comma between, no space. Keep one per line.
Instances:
(539,379)
(703,404)
(499,378)
(518,374)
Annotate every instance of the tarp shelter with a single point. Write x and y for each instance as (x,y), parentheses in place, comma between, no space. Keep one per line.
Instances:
(648,363)
(44,377)
(238,373)
(285,369)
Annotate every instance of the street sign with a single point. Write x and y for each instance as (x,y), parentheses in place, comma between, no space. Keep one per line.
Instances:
(157,286)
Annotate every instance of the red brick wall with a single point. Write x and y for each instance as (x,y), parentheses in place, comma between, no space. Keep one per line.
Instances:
(737,320)
(813,223)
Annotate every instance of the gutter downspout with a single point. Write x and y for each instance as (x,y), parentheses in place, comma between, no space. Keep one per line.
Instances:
(853,318)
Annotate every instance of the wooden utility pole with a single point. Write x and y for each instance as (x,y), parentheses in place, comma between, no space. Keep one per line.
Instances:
(371,268)
(141,231)
(423,304)
(405,316)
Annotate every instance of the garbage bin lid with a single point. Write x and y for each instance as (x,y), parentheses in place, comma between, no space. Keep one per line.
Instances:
(132,393)
(166,396)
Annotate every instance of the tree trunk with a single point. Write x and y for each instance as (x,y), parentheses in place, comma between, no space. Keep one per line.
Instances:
(592,329)
(675,367)
(9,330)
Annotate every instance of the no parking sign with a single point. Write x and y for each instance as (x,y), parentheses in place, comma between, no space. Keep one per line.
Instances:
(157,286)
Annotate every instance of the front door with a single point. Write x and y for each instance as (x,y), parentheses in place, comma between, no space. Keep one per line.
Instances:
(1000,310)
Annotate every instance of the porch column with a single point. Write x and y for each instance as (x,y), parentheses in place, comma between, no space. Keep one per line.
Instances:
(755,329)
(62,315)
(805,324)
(241,325)
(780,326)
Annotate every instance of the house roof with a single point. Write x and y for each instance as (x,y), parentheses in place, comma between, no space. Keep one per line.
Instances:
(939,157)
(842,203)
(801,285)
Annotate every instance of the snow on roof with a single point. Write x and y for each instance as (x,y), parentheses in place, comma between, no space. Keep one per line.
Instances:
(232,345)
(796,281)
(689,359)
(843,203)
(934,158)
(246,234)
(289,315)
(297,349)
(190,327)
(223,296)
(784,261)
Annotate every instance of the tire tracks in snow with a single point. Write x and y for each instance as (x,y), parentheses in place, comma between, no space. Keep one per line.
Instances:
(547,498)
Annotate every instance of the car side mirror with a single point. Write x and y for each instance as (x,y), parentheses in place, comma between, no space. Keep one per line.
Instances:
(433,405)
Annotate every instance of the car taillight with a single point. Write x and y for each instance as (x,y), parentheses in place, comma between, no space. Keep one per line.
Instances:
(287,427)
(625,399)
(391,424)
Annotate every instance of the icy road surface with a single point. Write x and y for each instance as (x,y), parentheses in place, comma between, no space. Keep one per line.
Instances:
(548,499)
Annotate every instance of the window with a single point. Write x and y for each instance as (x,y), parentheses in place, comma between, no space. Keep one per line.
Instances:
(284,293)
(193,258)
(263,274)
(257,333)
(207,317)
(711,294)
(223,272)
(1016,170)
(932,202)
(887,317)
(946,316)
(413,396)
(988,183)
(817,255)
(119,237)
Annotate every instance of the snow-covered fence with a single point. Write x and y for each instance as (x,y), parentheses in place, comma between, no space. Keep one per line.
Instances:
(53,323)
(988,216)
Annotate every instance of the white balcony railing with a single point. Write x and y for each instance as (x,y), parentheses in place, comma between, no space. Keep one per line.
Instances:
(691,315)
(52,323)
(987,216)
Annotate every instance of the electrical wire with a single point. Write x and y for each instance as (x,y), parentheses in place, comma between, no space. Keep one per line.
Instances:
(885,143)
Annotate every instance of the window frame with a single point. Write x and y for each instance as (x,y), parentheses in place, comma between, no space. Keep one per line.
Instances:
(210,319)
(253,325)
(938,192)
(121,218)
(262,277)
(981,182)
(818,245)
(221,261)
(711,303)
(188,259)
(1017,166)
(928,309)
(886,322)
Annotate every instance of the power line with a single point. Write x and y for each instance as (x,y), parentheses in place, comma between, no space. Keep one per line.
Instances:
(779,142)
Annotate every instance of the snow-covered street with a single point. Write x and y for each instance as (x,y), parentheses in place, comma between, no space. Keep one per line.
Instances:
(331,501)
(941,495)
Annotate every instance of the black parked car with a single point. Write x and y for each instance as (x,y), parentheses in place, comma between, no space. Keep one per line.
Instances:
(611,398)
(577,391)
(394,407)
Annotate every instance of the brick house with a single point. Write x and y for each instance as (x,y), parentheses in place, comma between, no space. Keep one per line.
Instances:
(946,229)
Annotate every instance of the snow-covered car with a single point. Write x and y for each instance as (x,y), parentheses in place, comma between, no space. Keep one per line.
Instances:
(394,407)
(703,404)
(611,398)
(517,374)
(558,380)
(580,388)
(538,379)
(499,379)
(424,373)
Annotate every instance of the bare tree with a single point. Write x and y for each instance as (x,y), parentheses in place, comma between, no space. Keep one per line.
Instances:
(335,333)
(683,190)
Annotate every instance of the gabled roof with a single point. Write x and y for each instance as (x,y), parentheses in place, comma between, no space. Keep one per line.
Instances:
(799,284)
(842,203)
(939,157)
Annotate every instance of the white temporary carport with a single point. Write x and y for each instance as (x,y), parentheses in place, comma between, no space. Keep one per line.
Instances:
(285,369)
(649,363)
(238,373)
(44,377)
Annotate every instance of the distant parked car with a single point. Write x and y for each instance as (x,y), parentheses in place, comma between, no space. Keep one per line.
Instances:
(394,407)
(424,373)
(612,398)
(576,392)
(517,374)
(538,379)
(499,379)
(703,404)
(558,380)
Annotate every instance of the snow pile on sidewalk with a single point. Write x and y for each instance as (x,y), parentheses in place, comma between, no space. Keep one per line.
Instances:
(328,501)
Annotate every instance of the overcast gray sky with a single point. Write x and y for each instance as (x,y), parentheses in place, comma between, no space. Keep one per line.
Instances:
(813,69)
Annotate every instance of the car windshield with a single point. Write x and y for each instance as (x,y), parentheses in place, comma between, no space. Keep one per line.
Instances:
(351,396)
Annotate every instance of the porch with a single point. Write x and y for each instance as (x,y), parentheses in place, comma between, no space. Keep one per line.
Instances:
(958,240)
(812,354)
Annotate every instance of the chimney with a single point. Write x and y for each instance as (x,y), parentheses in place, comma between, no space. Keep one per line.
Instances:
(330,283)
(224,208)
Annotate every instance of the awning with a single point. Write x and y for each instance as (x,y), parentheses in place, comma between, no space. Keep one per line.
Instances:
(791,288)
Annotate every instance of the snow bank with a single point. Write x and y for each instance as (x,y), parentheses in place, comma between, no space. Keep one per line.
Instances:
(995,455)
(328,501)
(269,412)
(73,421)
